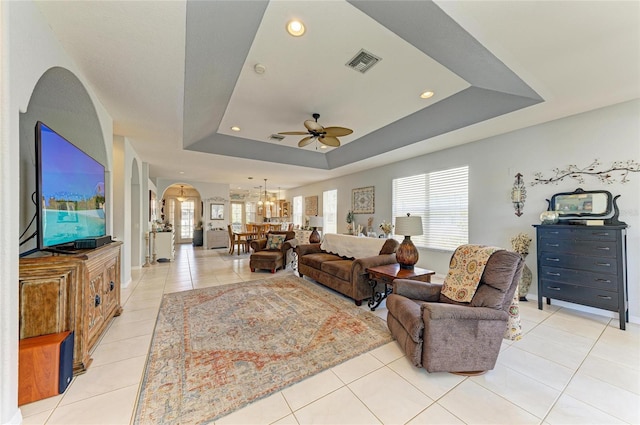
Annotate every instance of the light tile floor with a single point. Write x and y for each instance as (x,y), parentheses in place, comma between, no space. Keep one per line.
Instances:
(570,367)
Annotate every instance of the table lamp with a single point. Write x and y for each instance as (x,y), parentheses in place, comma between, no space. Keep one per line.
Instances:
(315,222)
(407,253)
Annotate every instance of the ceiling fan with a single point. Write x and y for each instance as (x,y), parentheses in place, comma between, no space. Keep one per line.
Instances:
(325,135)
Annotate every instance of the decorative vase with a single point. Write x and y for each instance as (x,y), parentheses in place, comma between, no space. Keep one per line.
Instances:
(525,282)
(549,217)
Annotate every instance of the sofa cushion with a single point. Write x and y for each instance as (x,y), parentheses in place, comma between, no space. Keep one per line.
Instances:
(266,256)
(274,241)
(338,268)
(316,260)
(390,246)
(496,280)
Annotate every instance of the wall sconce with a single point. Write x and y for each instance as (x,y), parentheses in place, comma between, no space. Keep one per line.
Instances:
(518,194)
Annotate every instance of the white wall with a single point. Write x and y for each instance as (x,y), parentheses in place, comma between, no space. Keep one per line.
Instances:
(29,48)
(129,199)
(608,134)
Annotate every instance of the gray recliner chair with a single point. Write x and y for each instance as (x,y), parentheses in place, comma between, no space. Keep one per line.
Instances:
(442,335)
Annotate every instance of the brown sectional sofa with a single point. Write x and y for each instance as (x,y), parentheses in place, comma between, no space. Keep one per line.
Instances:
(345,275)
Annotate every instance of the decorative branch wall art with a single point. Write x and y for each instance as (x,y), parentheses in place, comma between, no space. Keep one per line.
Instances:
(618,171)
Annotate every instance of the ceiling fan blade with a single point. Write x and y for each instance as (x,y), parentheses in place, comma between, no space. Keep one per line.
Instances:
(305,141)
(294,133)
(337,131)
(329,141)
(313,125)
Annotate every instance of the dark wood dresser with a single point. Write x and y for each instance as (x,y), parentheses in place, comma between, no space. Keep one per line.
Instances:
(584,265)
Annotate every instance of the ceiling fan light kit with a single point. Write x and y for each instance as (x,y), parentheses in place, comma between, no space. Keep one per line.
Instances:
(328,136)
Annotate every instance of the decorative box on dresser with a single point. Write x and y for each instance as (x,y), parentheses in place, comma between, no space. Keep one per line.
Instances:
(584,265)
(77,292)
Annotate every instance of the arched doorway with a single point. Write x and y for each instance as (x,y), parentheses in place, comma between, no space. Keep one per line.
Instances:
(182,208)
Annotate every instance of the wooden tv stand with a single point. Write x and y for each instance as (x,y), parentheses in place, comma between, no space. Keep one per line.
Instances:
(77,292)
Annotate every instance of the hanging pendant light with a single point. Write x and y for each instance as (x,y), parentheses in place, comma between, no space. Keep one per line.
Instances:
(181,197)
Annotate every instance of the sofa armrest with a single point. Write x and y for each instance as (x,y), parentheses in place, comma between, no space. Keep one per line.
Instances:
(416,290)
(286,246)
(258,244)
(444,311)
(360,265)
(305,249)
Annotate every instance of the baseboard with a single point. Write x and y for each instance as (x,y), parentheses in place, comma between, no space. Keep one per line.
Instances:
(16,419)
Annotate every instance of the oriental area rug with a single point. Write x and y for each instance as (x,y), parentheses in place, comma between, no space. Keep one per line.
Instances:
(217,349)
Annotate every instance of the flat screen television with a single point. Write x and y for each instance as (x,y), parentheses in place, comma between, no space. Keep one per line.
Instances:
(70,191)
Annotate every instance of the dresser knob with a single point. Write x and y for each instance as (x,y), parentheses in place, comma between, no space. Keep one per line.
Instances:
(552,259)
(603,280)
(97,300)
(553,288)
(604,297)
(603,264)
(553,274)
(112,285)
(603,248)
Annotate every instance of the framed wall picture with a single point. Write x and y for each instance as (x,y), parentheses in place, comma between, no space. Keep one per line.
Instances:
(311,205)
(363,200)
(217,211)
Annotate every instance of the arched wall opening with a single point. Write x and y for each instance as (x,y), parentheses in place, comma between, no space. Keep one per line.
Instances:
(60,101)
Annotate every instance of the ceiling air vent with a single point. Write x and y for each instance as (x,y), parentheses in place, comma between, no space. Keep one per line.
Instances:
(277,137)
(363,61)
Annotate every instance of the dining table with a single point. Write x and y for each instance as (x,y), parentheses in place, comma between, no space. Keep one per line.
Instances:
(245,237)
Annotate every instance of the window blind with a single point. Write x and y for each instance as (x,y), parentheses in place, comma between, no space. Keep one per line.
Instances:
(441,198)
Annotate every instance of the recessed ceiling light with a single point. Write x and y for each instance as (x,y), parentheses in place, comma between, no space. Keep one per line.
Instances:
(323,147)
(295,28)
(181,172)
(426,94)
(235,128)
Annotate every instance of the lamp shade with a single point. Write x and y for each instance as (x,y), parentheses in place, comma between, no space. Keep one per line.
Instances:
(315,221)
(409,225)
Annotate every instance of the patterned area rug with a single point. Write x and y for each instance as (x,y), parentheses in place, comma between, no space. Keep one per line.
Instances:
(217,349)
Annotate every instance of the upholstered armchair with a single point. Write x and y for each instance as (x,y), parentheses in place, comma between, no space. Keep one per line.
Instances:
(270,253)
(442,335)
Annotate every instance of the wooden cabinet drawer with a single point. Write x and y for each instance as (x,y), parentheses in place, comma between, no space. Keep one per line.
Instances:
(578,233)
(580,294)
(569,246)
(601,281)
(571,261)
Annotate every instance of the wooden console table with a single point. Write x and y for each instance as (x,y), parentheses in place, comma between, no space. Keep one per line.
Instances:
(387,274)
(77,292)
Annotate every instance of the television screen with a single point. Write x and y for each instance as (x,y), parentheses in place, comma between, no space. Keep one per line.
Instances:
(70,189)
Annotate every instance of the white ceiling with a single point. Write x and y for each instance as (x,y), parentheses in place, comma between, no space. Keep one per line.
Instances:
(172,79)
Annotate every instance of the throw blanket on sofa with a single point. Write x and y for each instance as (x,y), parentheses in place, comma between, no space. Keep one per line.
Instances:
(465,270)
(351,246)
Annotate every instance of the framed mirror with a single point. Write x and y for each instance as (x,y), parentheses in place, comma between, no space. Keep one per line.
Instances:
(582,204)
(217,211)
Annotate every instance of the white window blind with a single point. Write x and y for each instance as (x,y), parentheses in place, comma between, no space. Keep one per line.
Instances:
(441,198)
(297,211)
(330,211)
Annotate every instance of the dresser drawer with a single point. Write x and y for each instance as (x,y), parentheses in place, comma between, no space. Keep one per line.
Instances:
(578,233)
(600,281)
(571,261)
(592,248)
(580,294)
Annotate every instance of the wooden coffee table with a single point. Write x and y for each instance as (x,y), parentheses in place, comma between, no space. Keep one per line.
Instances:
(387,274)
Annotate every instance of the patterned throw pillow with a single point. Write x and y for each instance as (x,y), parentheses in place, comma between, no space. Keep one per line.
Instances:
(274,241)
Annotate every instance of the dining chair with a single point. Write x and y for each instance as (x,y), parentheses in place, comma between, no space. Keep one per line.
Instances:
(235,241)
